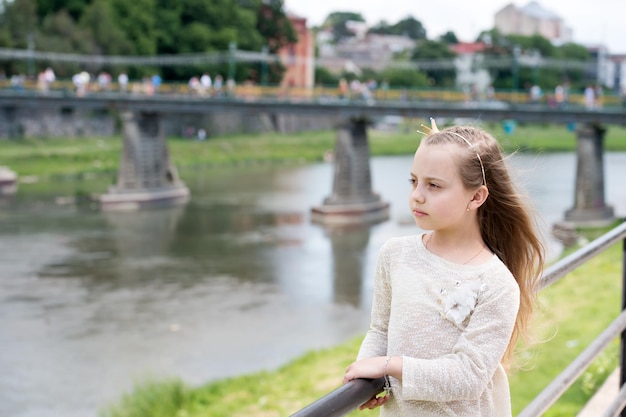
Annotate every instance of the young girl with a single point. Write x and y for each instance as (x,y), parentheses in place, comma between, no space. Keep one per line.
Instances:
(449,305)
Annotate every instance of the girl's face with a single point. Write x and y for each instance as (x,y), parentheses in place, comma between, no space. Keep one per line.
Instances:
(438,198)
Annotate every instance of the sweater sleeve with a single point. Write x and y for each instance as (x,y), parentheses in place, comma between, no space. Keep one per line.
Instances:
(375,341)
(466,372)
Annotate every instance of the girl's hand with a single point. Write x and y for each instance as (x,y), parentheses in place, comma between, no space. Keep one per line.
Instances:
(374,402)
(370,368)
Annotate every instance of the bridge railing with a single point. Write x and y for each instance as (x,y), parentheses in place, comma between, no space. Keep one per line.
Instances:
(254,91)
(348,397)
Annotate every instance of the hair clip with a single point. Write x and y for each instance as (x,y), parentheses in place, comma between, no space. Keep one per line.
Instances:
(428,130)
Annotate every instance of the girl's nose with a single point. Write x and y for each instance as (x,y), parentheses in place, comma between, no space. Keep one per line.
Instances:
(417,195)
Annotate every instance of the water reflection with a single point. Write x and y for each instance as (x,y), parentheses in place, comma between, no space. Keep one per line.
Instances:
(349,244)
(144,234)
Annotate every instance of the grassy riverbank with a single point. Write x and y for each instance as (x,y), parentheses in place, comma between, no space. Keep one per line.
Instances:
(575,311)
(89,157)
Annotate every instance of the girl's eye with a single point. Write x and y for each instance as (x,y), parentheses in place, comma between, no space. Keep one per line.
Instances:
(412,181)
(432,185)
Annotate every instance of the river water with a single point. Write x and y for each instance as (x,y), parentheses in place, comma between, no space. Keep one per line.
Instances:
(237,281)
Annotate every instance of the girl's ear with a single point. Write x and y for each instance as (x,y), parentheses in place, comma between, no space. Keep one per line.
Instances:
(479,197)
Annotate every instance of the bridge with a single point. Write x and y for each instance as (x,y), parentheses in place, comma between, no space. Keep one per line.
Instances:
(146,175)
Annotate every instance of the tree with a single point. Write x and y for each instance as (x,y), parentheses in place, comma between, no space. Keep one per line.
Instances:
(409,27)
(136,19)
(533,43)
(108,38)
(18,29)
(59,33)
(277,32)
(74,8)
(324,77)
(503,47)
(436,51)
(381,28)
(338,22)
(20,22)
(405,77)
(148,28)
(449,37)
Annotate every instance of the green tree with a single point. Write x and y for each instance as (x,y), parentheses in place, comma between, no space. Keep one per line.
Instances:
(449,37)
(434,51)
(74,8)
(338,22)
(381,28)
(324,77)
(18,29)
(408,26)
(108,38)
(59,33)
(197,26)
(533,43)
(274,25)
(405,78)
(277,32)
(136,19)
(148,28)
(501,48)
(19,19)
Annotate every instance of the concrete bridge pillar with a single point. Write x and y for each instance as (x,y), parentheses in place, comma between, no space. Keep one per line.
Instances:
(146,176)
(589,205)
(352,200)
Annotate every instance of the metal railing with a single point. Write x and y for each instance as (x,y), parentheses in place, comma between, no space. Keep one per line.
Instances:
(344,399)
(348,397)
(322,92)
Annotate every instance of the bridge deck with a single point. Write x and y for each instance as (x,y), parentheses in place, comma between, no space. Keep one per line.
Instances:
(333,107)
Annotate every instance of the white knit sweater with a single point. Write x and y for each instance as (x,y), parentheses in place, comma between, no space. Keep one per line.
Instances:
(451,324)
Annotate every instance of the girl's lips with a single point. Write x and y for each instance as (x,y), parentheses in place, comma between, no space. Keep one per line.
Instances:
(418,213)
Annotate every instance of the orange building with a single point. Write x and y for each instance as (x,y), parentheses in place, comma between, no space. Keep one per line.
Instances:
(299,58)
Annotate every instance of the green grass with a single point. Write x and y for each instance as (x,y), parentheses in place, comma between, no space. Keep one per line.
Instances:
(58,158)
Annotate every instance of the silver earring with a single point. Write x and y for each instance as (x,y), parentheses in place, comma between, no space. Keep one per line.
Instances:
(467,209)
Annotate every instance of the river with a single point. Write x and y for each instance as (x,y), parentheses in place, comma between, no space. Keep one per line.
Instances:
(237,281)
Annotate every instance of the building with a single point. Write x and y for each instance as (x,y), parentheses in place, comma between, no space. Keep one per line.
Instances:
(470,75)
(532,19)
(299,58)
(374,51)
(616,73)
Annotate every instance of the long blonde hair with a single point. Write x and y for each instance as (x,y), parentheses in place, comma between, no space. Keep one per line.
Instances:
(507,225)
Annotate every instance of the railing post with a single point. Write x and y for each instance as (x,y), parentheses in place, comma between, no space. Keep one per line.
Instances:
(622,371)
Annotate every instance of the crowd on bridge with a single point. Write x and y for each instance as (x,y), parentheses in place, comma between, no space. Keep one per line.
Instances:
(215,85)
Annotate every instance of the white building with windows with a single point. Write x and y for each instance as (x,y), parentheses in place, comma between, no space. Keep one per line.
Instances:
(532,19)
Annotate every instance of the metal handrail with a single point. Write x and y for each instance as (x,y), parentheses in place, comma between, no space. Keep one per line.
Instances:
(561,383)
(344,399)
(565,379)
(582,255)
(618,404)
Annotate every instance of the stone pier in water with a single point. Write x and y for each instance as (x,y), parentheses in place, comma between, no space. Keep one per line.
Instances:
(146,176)
(589,202)
(352,200)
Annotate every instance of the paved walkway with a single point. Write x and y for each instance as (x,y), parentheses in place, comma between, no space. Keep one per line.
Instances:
(598,404)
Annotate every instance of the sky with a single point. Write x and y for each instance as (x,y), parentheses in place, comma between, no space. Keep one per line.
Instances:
(593,22)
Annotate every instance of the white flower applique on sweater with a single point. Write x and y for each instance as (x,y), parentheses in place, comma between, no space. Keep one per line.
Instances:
(459,301)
